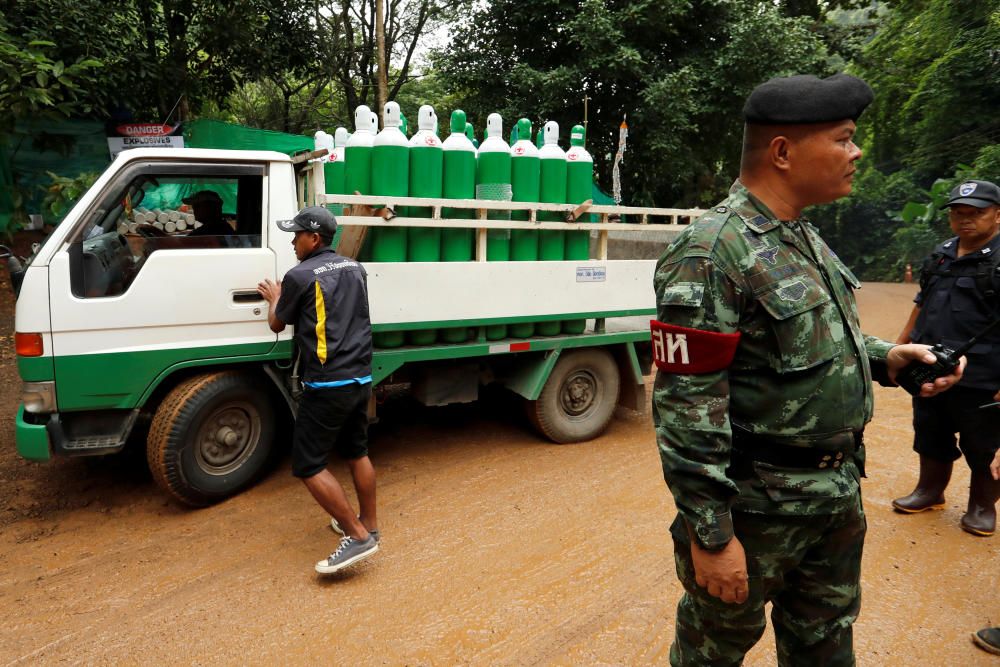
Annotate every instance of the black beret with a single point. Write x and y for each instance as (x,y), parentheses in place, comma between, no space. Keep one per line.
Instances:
(804,98)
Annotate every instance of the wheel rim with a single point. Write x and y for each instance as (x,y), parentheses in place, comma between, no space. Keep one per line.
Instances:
(228,438)
(579,393)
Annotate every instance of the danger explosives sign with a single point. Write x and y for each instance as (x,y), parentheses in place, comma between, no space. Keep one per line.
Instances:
(143,135)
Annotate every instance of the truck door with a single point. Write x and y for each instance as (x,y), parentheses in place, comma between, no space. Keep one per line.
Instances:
(160,271)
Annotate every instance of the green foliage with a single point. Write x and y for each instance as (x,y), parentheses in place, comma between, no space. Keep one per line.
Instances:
(920,226)
(34,81)
(860,228)
(62,193)
(935,67)
(183,54)
(987,164)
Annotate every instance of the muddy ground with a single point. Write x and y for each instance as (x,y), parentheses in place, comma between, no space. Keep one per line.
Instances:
(497,549)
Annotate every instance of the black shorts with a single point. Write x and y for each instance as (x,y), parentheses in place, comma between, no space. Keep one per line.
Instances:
(938,419)
(331,419)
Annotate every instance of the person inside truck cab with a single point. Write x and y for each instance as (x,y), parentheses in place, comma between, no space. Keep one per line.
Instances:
(207,208)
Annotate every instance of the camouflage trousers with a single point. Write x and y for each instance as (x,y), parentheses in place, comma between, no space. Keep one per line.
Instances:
(808,567)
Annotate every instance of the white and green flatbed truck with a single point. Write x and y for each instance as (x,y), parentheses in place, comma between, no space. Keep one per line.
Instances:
(122,329)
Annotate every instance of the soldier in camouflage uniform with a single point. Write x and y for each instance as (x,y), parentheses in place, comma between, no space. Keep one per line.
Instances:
(763,389)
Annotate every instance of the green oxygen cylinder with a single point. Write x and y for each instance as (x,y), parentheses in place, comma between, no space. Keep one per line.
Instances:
(459,183)
(324,141)
(404,124)
(336,178)
(334,172)
(552,190)
(426,171)
(493,181)
(426,167)
(579,188)
(390,177)
(540,139)
(321,141)
(524,171)
(358,154)
(470,134)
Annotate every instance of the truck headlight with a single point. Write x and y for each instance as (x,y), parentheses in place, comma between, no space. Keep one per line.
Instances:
(39,397)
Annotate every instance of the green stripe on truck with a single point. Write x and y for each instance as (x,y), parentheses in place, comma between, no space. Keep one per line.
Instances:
(123,379)
(35,369)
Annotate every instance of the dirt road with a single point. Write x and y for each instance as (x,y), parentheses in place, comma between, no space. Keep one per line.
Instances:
(497,550)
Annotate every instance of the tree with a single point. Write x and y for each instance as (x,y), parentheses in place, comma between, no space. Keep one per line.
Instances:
(349,28)
(935,67)
(172,54)
(344,69)
(34,81)
(680,70)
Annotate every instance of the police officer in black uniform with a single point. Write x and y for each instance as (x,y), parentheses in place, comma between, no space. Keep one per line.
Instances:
(326,297)
(959,297)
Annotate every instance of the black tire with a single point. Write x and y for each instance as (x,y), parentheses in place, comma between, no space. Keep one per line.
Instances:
(211,437)
(579,398)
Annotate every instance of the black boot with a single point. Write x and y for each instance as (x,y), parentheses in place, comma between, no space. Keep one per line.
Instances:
(988,639)
(929,494)
(981,516)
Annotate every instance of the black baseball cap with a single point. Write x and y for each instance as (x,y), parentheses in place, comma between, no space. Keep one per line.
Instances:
(975,193)
(315,219)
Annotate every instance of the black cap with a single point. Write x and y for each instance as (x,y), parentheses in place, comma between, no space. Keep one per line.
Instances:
(804,98)
(311,219)
(203,196)
(975,193)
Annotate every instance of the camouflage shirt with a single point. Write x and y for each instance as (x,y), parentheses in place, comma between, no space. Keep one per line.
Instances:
(800,376)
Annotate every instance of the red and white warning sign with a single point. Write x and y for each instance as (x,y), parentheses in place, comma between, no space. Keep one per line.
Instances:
(144,135)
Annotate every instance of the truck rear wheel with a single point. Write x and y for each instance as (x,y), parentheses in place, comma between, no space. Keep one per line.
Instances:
(211,437)
(579,397)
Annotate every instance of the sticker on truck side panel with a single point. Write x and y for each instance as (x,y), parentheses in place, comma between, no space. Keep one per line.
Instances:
(591,274)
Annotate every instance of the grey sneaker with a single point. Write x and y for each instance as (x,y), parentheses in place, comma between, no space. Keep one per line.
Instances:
(349,552)
(340,531)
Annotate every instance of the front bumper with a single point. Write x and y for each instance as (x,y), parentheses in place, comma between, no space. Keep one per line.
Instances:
(32,439)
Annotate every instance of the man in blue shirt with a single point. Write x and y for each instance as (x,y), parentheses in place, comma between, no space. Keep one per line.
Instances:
(326,297)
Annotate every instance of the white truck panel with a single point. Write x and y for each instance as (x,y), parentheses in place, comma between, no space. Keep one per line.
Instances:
(168,304)
(32,314)
(446,291)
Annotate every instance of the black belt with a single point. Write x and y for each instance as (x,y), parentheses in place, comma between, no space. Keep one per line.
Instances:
(825,454)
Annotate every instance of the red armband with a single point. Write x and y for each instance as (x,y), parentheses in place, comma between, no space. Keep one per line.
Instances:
(691,351)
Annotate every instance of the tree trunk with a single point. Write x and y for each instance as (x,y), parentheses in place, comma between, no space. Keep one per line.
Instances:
(382,66)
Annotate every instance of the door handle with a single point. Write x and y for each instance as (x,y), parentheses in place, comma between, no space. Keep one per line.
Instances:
(246,296)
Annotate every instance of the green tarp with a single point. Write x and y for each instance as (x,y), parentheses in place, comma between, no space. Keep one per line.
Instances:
(217,134)
(600,197)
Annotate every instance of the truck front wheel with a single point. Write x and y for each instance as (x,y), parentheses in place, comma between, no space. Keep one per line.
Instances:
(579,397)
(211,437)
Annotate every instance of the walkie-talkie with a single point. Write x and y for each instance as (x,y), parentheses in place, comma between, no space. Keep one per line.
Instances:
(918,373)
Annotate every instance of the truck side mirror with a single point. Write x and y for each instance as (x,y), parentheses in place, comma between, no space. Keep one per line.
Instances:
(15,267)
